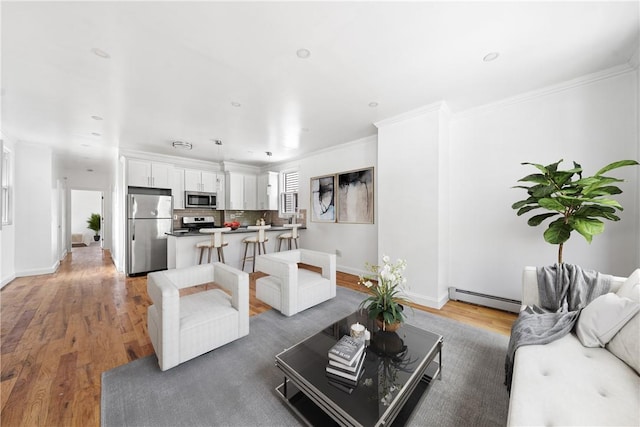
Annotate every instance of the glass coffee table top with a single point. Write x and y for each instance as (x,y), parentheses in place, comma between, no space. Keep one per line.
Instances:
(397,370)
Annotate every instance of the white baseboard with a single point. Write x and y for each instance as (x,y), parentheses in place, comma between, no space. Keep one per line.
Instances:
(349,270)
(39,271)
(7,280)
(427,301)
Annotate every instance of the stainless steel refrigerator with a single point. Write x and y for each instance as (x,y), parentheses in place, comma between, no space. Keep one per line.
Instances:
(149,218)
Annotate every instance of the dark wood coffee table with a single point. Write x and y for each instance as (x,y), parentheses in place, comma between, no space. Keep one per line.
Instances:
(397,370)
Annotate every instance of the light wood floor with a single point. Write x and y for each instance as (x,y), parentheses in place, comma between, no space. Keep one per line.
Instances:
(59,332)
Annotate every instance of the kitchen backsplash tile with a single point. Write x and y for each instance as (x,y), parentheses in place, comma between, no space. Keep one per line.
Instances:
(243,217)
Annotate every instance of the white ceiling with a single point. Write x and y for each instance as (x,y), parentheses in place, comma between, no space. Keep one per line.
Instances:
(176,68)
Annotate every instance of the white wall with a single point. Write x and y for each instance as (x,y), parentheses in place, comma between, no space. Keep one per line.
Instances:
(593,121)
(7,234)
(83,204)
(35,206)
(357,242)
(413,199)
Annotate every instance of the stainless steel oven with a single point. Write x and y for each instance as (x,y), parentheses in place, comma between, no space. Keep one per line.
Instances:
(197,199)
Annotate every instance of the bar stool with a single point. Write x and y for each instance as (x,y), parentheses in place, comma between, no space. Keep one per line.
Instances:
(289,236)
(258,240)
(216,242)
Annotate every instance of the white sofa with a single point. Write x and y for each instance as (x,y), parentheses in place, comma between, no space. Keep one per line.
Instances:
(182,328)
(290,289)
(564,383)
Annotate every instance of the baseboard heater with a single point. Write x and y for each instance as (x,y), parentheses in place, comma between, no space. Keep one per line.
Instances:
(484,300)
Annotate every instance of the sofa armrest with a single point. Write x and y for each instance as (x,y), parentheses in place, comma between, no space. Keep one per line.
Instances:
(237,283)
(190,276)
(530,295)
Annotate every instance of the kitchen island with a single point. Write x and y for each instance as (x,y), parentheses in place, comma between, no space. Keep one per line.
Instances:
(182,251)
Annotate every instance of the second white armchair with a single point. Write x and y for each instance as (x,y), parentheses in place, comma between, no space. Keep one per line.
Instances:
(290,289)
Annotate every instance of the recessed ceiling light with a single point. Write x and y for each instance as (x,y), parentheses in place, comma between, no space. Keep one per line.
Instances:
(89,170)
(101,53)
(236,104)
(182,145)
(268,153)
(491,56)
(95,134)
(303,53)
(373,104)
(96,118)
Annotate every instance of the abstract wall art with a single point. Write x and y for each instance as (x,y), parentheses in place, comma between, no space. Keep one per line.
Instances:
(323,198)
(355,196)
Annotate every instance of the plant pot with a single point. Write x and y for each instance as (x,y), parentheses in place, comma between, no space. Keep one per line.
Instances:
(388,327)
(96,238)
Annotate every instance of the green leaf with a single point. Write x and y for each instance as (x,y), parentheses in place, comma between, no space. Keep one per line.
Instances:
(558,232)
(526,209)
(537,219)
(580,200)
(536,177)
(521,203)
(587,227)
(540,167)
(616,165)
(552,204)
(544,191)
(553,166)
(609,190)
(587,211)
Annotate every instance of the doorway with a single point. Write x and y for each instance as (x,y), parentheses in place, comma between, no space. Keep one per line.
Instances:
(84,203)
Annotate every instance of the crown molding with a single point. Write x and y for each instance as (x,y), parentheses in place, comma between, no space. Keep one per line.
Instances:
(180,162)
(546,91)
(439,106)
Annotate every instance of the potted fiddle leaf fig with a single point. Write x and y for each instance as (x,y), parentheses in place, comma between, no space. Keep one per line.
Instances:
(93,223)
(576,202)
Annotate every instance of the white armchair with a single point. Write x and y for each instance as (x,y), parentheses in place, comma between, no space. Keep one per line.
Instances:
(182,328)
(290,289)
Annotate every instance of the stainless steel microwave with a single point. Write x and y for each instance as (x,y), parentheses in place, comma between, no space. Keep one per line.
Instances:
(197,199)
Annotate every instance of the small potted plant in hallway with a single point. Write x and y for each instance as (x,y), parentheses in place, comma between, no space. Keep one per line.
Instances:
(93,223)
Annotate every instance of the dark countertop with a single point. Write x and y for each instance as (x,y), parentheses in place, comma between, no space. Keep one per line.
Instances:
(178,233)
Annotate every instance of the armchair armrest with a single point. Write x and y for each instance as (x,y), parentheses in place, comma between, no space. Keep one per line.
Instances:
(237,283)
(323,260)
(166,298)
(285,271)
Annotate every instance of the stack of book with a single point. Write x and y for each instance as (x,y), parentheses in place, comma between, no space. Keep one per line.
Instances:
(346,363)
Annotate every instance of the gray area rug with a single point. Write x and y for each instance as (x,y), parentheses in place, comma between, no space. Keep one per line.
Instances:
(234,385)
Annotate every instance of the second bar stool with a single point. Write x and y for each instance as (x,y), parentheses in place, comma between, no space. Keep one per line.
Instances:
(258,241)
(217,242)
(290,236)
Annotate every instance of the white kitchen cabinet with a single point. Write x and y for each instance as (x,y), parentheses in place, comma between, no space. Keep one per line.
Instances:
(195,180)
(144,173)
(177,189)
(234,185)
(250,192)
(267,192)
(220,190)
(241,191)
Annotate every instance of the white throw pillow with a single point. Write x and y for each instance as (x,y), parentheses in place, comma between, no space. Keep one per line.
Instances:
(625,345)
(603,318)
